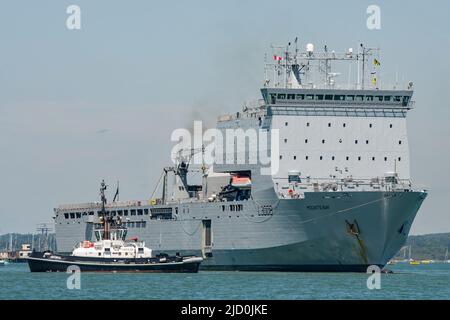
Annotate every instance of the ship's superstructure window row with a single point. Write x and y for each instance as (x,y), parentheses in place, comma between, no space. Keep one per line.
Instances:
(290,97)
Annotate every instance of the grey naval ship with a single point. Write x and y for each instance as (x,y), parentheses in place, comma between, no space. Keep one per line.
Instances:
(341,196)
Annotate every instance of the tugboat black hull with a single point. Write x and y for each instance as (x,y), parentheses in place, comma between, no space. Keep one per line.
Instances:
(39,262)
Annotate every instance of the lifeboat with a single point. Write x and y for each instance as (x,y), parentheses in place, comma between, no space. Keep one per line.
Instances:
(241,182)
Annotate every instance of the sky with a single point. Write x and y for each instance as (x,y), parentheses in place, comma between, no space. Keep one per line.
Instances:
(77,106)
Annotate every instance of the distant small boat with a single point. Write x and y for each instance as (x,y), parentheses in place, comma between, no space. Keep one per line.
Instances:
(414,262)
(426,261)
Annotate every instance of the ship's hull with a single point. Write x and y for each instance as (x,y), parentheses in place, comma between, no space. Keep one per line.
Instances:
(325,231)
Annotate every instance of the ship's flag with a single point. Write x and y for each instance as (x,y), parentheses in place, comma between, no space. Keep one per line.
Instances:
(277,58)
(376,62)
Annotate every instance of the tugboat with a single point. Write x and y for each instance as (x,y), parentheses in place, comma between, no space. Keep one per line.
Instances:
(112,253)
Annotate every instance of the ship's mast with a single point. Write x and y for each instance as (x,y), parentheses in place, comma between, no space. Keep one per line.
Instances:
(106,222)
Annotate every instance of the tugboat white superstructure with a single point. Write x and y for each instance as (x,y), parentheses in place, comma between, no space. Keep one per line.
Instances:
(338,198)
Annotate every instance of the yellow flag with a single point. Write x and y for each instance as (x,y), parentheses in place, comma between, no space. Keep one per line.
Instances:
(376,62)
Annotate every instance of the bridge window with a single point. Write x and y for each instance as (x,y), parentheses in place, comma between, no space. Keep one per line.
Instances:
(359,98)
(309,97)
(328,97)
(350,98)
(385,158)
(146,211)
(359,158)
(323,140)
(319,97)
(344,125)
(300,96)
(285,140)
(329,124)
(125,212)
(321,157)
(72,215)
(281,96)
(347,157)
(379,98)
(307,124)
(285,124)
(133,212)
(291,96)
(332,158)
(367,141)
(78,214)
(339,97)
(373,158)
(306,140)
(397,98)
(66,215)
(295,157)
(390,126)
(399,141)
(369,98)
(405,100)
(139,212)
(399,159)
(356,141)
(306,157)
(387,98)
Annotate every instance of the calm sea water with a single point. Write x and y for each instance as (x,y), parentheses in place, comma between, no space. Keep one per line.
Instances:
(408,282)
